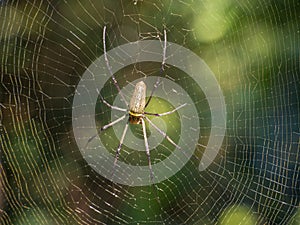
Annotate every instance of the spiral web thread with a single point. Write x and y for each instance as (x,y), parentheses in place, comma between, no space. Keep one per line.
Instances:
(251,46)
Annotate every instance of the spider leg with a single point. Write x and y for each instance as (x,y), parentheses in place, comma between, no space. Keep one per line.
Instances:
(164,50)
(163,133)
(147,149)
(149,159)
(112,123)
(109,68)
(112,106)
(166,136)
(119,148)
(166,113)
(153,89)
(105,127)
(161,69)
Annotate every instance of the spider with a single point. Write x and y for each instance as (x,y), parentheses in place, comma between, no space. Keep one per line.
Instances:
(136,109)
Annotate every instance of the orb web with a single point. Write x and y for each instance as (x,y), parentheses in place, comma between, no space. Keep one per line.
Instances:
(251,47)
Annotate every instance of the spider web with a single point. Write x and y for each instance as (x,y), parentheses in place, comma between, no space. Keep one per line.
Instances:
(252,47)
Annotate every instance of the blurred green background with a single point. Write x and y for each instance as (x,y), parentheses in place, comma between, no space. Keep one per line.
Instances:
(251,46)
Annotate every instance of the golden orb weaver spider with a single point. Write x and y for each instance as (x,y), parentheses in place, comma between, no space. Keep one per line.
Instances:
(136,109)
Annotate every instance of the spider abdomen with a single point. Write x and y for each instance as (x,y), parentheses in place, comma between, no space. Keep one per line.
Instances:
(137,103)
(138,99)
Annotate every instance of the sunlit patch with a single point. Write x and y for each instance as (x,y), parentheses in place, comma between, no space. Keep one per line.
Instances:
(237,215)
(211,22)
